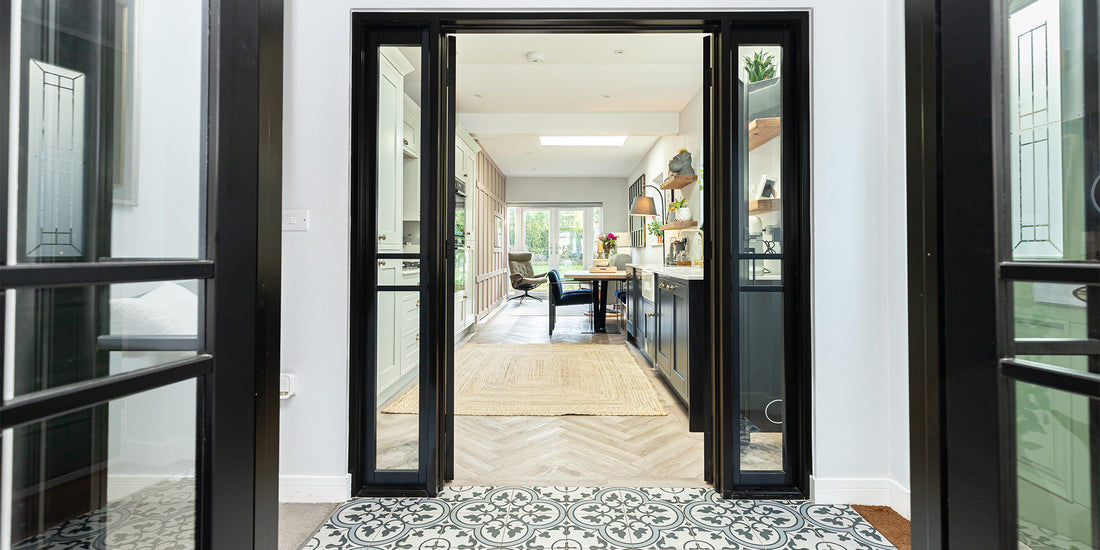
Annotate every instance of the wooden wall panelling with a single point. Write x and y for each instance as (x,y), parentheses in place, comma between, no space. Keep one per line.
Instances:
(491,285)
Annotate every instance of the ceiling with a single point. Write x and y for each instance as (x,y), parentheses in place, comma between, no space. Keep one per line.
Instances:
(582,88)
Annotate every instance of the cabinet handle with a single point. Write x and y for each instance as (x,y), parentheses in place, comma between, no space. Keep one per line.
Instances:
(406,141)
(465,175)
(382,263)
(650,314)
(418,303)
(418,336)
(381,236)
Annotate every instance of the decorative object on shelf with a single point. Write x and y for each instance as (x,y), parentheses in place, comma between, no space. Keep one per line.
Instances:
(766,188)
(680,209)
(680,164)
(760,66)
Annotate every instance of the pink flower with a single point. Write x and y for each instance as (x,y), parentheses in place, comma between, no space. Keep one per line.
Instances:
(612,236)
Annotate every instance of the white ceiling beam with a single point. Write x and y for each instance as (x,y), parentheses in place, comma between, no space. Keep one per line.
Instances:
(564,124)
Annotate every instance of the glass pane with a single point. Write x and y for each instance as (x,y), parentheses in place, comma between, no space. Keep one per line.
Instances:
(110,106)
(114,475)
(1054,509)
(1053,199)
(1049,310)
(67,335)
(512,228)
(536,235)
(398,415)
(762,359)
(570,242)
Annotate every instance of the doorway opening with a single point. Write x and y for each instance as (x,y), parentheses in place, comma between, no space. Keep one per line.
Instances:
(485,170)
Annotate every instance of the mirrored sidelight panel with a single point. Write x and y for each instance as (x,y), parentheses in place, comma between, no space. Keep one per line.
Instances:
(763,358)
(396,310)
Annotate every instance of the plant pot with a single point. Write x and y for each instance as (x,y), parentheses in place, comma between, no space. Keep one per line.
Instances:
(683,214)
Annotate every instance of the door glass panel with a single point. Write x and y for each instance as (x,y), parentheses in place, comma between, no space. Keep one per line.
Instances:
(398,375)
(114,475)
(396,417)
(1054,506)
(1052,198)
(570,240)
(760,261)
(110,130)
(536,235)
(72,334)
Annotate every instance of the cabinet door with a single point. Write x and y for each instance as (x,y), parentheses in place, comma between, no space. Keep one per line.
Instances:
(390,158)
(665,317)
(411,139)
(389,357)
(469,166)
(410,340)
(460,161)
(680,371)
(648,320)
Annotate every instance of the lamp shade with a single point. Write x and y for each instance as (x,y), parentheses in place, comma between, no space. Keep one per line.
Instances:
(643,206)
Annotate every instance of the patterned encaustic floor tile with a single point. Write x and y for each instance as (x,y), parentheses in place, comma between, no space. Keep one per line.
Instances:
(583,518)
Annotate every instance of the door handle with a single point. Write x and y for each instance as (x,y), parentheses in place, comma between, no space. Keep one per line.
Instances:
(381,236)
(406,141)
(381,263)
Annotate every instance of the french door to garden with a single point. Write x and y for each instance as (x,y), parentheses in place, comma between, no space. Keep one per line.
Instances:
(558,237)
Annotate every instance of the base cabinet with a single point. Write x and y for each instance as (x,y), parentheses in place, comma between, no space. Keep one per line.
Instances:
(669,332)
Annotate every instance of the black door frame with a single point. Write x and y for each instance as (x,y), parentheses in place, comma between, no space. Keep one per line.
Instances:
(237,363)
(962,347)
(790,29)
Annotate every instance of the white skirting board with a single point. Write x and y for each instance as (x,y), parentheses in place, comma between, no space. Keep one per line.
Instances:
(876,491)
(314,488)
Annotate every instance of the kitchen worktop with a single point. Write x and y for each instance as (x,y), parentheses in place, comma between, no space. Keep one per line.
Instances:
(687,273)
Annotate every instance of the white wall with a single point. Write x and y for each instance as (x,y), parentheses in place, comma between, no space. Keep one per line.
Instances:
(608,191)
(655,164)
(858,236)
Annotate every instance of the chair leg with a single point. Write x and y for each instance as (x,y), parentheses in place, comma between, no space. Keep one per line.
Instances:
(526,294)
(553,317)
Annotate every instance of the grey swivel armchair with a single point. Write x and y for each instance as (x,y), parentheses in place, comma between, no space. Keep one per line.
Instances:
(523,275)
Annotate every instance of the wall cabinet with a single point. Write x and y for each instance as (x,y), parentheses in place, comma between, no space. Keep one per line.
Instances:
(390,183)
(411,137)
(410,197)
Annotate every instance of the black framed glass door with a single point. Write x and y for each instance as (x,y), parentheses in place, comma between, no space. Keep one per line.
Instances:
(139,267)
(788,387)
(1004,267)
(400,232)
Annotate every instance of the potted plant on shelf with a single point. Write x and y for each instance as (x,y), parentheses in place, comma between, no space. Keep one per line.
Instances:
(655,229)
(680,209)
(760,66)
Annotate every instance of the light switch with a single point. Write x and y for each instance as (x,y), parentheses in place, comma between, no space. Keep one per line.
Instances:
(295,220)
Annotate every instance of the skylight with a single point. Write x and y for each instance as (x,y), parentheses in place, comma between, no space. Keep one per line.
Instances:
(583,141)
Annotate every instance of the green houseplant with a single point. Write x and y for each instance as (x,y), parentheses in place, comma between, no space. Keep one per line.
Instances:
(760,66)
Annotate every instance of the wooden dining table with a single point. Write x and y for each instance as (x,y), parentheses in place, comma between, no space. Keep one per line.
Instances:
(599,293)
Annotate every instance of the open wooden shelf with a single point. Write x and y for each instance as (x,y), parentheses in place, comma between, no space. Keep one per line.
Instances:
(678,225)
(763,130)
(679,182)
(763,206)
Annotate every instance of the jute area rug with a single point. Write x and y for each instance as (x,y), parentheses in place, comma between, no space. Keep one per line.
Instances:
(545,380)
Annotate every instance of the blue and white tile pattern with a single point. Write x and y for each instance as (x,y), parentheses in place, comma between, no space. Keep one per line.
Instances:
(581,518)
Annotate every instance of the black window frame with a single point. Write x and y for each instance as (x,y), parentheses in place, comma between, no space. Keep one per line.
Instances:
(237,363)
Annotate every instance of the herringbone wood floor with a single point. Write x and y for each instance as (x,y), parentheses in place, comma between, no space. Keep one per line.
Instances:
(625,451)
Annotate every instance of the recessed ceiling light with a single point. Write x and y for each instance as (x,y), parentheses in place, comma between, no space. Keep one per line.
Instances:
(583,141)
(607,96)
(478,95)
(528,153)
(535,57)
(620,51)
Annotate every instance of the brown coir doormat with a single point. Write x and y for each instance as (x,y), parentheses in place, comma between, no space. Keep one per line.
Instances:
(888,522)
